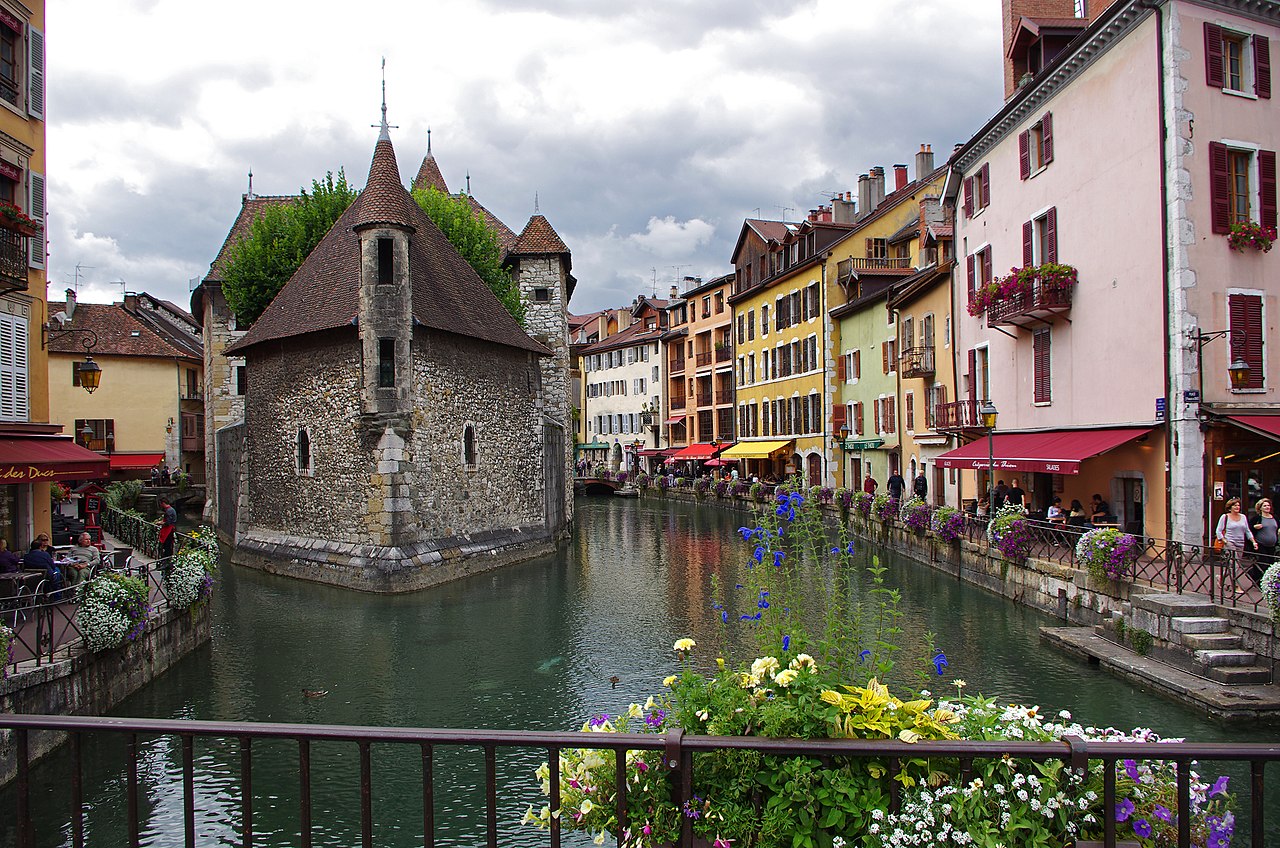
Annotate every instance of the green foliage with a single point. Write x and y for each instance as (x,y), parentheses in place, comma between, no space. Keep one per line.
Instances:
(123,494)
(475,240)
(278,242)
(1141,640)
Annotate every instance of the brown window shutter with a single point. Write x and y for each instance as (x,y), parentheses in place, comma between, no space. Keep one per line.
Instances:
(1046,138)
(973,374)
(884,356)
(1024,154)
(893,355)
(891,406)
(1040,357)
(1262,66)
(1213,76)
(1051,234)
(968,202)
(1245,312)
(986,184)
(1267,188)
(857,418)
(911,410)
(839,418)
(1028,238)
(875,414)
(973,287)
(986,264)
(842,370)
(1219,189)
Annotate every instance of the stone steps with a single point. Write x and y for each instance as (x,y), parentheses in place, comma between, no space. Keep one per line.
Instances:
(1207,624)
(1217,659)
(1211,641)
(1192,636)
(1240,675)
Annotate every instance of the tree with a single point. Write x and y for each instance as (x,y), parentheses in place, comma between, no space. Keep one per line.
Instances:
(278,242)
(475,241)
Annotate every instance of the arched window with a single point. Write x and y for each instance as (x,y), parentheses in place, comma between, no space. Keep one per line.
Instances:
(469,445)
(304,451)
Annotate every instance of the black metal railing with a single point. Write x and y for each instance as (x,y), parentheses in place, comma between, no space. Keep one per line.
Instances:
(677,748)
(917,361)
(13,261)
(957,415)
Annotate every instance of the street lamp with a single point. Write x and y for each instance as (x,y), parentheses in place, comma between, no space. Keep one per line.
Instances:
(844,447)
(989,412)
(86,435)
(1238,370)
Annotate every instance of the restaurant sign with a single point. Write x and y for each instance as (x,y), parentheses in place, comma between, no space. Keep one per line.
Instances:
(19,473)
(1045,466)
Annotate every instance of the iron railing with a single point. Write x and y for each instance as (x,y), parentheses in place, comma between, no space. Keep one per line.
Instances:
(13,261)
(917,361)
(702,359)
(678,752)
(958,415)
(676,366)
(1041,300)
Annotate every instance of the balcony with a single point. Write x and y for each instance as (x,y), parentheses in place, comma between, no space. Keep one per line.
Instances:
(958,415)
(704,399)
(917,362)
(702,359)
(724,354)
(13,261)
(192,444)
(1038,304)
(677,402)
(847,269)
(677,366)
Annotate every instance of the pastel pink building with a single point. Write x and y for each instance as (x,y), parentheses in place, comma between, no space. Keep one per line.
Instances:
(1135,136)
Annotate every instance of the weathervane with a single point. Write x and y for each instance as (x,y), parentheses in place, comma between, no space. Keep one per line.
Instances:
(384,127)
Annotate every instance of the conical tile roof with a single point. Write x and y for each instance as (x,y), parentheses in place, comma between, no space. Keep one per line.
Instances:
(539,237)
(384,200)
(429,176)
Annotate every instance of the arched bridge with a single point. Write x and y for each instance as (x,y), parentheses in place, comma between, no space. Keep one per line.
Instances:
(595,486)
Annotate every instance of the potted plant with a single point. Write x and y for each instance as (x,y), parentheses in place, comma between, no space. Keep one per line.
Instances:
(1248,234)
(13,218)
(1108,553)
(947,523)
(1008,532)
(113,610)
(189,580)
(915,515)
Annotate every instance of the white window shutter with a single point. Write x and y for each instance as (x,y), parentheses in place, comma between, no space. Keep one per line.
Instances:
(35,209)
(13,368)
(35,73)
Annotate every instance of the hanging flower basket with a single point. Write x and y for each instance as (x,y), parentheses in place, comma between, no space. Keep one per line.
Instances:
(13,218)
(1249,234)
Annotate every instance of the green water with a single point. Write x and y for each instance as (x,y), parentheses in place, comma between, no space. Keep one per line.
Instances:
(532,646)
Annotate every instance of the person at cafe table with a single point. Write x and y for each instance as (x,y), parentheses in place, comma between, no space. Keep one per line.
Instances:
(39,559)
(9,562)
(85,558)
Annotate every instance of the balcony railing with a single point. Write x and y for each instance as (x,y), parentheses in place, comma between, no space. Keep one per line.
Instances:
(701,359)
(196,749)
(193,444)
(957,415)
(724,354)
(704,399)
(917,362)
(677,366)
(1040,304)
(677,402)
(13,261)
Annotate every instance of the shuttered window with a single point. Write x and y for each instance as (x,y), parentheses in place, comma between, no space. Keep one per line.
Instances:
(13,368)
(857,418)
(1247,336)
(891,413)
(1040,358)
(1230,192)
(973,375)
(35,73)
(911,410)
(842,370)
(839,418)
(1035,146)
(36,210)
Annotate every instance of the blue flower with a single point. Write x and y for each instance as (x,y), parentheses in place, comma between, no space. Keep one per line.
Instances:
(1142,827)
(862,655)
(759,554)
(724,616)
(835,550)
(763,604)
(755,617)
(737,585)
(746,532)
(940,662)
(850,548)
(786,643)
(778,557)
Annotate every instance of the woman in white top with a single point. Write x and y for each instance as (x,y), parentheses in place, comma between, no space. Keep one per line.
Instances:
(1233,527)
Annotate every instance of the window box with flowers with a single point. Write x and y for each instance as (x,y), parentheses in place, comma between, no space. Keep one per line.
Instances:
(1026,290)
(13,218)
(1248,234)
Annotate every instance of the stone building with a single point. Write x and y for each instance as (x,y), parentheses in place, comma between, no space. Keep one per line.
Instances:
(398,427)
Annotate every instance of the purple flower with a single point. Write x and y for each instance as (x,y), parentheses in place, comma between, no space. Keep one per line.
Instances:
(599,720)
(1219,786)
(655,718)
(1131,768)
(1124,809)
(1142,827)
(1162,813)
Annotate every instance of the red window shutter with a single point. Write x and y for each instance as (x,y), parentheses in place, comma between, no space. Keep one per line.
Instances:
(1040,357)
(1051,235)
(842,371)
(973,286)
(1262,66)
(891,406)
(968,201)
(1028,239)
(1024,154)
(878,409)
(1219,187)
(839,417)
(911,411)
(857,365)
(1046,138)
(869,247)
(986,264)
(1246,335)
(1213,75)
(893,355)
(884,355)
(857,418)
(986,184)
(1267,187)
(973,375)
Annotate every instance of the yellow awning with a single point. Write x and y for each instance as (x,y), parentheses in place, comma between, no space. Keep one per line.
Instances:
(755,450)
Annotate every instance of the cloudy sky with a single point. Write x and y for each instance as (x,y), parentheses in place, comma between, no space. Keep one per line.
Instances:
(647,131)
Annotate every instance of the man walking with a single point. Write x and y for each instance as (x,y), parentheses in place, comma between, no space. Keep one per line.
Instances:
(896,484)
(921,486)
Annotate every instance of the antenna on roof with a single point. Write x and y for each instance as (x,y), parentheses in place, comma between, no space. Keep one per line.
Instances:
(76,284)
(384,101)
(784,210)
(655,282)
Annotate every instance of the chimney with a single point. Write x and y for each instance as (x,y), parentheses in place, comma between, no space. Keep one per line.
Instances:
(877,188)
(131,301)
(864,195)
(675,293)
(843,208)
(71,304)
(899,177)
(924,161)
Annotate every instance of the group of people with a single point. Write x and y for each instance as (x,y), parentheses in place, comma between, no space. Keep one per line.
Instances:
(897,484)
(1254,534)
(1097,512)
(79,562)
(161,475)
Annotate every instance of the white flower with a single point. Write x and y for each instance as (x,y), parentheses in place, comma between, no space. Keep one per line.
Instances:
(685,644)
(786,676)
(763,667)
(804,661)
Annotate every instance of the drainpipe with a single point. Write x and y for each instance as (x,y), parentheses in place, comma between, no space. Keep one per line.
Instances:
(1157,8)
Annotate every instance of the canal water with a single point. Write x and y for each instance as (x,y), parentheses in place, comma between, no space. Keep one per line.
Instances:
(533,646)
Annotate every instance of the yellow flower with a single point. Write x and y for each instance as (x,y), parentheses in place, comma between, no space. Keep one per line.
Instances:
(685,644)
(669,680)
(804,661)
(599,840)
(786,676)
(650,703)
(764,666)
(720,663)
(746,681)
(958,683)
(634,711)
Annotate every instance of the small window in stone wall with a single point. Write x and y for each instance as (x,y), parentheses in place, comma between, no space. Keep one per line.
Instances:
(386,261)
(542,295)
(386,363)
(469,446)
(242,380)
(304,451)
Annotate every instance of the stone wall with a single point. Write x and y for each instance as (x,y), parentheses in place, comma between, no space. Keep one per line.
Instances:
(92,684)
(223,406)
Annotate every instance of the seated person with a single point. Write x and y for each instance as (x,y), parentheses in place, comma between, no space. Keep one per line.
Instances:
(1055,512)
(1077,517)
(86,559)
(39,559)
(9,562)
(1100,511)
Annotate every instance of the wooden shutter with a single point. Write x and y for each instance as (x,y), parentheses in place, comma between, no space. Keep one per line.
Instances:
(1219,188)
(1262,66)
(1267,188)
(968,203)
(857,418)
(1040,357)
(839,417)
(986,264)
(875,414)
(986,184)
(884,356)
(973,374)
(1051,235)
(1024,154)
(1246,335)
(1213,75)
(1028,242)
(857,364)
(842,369)
(973,287)
(891,410)
(35,73)
(35,209)
(1046,138)
(911,410)
(14,369)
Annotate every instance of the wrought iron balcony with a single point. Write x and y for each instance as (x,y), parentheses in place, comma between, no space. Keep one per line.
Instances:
(677,366)
(13,261)
(704,399)
(957,415)
(1042,303)
(724,354)
(917,362)
(677,402)
(701,359)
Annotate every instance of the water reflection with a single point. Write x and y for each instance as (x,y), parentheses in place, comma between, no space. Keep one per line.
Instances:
(533,646)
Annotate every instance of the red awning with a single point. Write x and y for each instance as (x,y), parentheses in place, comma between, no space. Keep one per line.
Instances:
(649,452)
(1052,452)
(675,419)
(30,460)
(120,461)
(700,450)
(716,463)
(1267,425)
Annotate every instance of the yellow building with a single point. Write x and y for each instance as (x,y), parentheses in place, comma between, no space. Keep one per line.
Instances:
(32,455)
(149,407)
